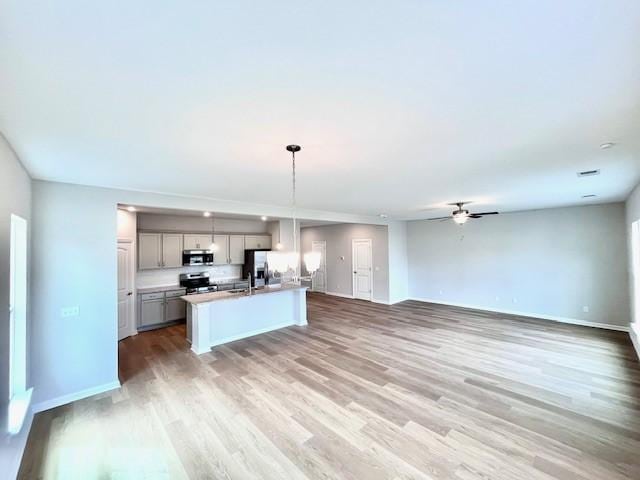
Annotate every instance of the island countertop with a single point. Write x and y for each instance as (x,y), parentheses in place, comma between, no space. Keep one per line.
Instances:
(226,295)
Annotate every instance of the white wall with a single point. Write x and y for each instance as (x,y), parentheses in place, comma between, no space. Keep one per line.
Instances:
(339,272)
(553,262)
(398,262)
(170,276)
(74,254)
(127,225)
(15,197)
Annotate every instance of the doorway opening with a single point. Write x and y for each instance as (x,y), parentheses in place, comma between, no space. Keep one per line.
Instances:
(19,396)
(635,273)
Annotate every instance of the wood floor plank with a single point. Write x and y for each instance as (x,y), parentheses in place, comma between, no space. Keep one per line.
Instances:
(365,391)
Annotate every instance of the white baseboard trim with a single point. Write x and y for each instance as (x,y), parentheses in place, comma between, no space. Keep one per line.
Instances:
(383,302)
(336,294)
(72,397)
(554,318)
(404,299)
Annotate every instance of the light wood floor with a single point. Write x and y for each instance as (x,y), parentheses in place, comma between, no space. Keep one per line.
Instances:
(364,392)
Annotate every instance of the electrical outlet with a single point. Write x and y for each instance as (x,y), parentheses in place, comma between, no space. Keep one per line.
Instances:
(585,309)
(515,300)
(70,311)
(441,292)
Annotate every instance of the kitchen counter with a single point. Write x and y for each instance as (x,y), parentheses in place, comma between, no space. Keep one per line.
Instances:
(159,288)
(219,296)
(221,317)
(166,288)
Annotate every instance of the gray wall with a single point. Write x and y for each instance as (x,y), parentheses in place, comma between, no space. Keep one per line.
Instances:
(552,262)
(339,272)
(183,223)
(15,197)
(74,255)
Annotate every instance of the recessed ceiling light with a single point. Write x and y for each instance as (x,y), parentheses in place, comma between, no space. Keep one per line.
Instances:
(263,218)
(206,214)
(589,173)
(383,215)
(591,195)
(131,209)
(606,145)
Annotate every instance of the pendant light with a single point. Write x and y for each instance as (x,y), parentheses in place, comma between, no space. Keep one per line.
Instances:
(213,247)
(283,262)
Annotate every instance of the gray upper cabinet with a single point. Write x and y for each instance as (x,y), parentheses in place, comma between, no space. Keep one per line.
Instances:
(255,242)
(164,250)
(149,250)
(221,255)
(236,249)
(171,250)
(159,250)
(195,241)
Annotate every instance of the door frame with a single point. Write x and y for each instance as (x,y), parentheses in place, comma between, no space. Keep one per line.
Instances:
(323,263)
(132,278)
(353,267)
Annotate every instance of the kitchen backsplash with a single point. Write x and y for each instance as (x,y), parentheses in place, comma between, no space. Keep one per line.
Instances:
(155,278)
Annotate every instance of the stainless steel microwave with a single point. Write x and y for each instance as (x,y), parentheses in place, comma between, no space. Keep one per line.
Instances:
(197,257)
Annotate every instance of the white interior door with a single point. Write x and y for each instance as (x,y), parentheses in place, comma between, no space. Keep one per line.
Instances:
(362,271)
(319,279)
(126,311)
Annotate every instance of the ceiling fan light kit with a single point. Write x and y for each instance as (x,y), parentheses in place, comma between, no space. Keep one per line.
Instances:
(461,215)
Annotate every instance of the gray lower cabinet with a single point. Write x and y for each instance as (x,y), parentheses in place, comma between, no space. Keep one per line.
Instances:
(157,309)
(175,309)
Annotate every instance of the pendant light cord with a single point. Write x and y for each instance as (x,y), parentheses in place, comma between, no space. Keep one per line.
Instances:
(293,202)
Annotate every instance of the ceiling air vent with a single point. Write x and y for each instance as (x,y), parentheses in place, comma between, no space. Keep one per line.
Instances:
(589,173)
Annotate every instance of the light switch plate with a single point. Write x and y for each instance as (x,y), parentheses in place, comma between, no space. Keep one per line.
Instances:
(70,311)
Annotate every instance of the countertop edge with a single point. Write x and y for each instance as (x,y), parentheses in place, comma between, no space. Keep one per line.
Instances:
(214,297)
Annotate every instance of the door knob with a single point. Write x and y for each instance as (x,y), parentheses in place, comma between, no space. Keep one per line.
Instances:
(129,294)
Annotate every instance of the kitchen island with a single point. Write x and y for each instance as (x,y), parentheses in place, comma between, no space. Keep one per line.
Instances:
(220,317)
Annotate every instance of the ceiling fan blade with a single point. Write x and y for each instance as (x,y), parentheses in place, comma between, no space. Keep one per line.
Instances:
(439,218)
(475,215)
(485,213)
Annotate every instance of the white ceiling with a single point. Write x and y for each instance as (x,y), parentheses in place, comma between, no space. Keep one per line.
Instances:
(399,106)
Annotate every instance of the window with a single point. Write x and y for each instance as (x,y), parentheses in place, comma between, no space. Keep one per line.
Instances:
(635,270)
(19,396)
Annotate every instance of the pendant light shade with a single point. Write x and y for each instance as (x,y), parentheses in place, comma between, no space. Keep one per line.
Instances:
(312,261)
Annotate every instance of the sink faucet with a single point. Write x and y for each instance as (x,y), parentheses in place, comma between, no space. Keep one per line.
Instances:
(249,279)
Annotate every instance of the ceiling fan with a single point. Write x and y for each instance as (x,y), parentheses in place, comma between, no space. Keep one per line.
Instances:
(460,216)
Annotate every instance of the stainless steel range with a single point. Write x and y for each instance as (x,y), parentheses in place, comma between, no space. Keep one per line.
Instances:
(196,283)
